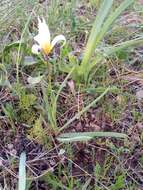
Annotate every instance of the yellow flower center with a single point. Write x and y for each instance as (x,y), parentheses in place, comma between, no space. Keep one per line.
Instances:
(46,48)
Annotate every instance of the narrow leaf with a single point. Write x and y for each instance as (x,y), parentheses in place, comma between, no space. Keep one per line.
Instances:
(13,45)
(113,16)
(97,26)
(124,45)
(84,136)
(22,172)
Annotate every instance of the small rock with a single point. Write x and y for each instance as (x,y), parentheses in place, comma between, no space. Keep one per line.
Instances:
(52,162)
(139,94)
(71,86)
(61,152)
(13,152)
(10,146)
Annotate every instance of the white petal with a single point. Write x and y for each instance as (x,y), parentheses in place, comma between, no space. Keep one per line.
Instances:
(36,49)
(44,33)
(58,39)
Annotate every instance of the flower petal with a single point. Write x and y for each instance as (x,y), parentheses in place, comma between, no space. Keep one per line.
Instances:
(44,33)
(37,38)
(58,39)
(36,49)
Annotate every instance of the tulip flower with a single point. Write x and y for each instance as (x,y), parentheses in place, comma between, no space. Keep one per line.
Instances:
(43,39)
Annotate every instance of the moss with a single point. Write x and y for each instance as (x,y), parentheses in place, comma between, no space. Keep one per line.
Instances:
(38,133)
(27,100)
(27,116)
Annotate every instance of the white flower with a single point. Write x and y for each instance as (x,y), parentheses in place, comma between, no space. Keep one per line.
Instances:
(44,40)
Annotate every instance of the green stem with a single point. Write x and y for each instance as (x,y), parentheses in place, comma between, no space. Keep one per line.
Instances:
(49,75)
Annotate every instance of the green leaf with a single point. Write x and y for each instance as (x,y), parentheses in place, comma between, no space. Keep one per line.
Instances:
(99,29)
(124,45)
(34,80)
(98,170)
(3,76)
(96,29)
(22,172)
(119,184)
(13,45)
(84,136)
(113,16)
(29,60)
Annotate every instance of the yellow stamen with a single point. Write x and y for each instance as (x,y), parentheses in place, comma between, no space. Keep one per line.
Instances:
(46,48)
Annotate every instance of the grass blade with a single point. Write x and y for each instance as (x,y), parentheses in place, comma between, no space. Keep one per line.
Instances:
(84,110)
(20,43)
(84,136)
(22,172)
(85,186)
(111,50)
(54,107)
(124,45)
